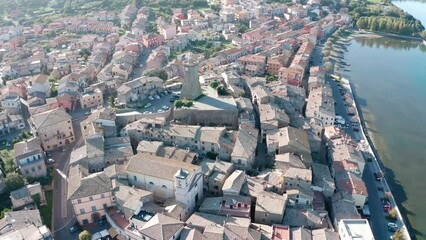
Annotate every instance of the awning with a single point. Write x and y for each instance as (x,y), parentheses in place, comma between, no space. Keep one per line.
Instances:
(120,237)
(112,232)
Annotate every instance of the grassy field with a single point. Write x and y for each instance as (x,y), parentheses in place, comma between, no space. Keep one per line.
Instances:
(46,211)
(375,1)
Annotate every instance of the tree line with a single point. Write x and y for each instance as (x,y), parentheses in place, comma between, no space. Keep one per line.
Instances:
(387,24)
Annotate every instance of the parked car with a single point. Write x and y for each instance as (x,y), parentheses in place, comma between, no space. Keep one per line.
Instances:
(392,227)
(148,105)
(387,208)
(62,149)
(151,98)
(50,161)
(101,222)
(146,112)
(378,176)
(201,155)
(160,111)
(87,113)
(157,97)
(73,229)
(48,153)
(165,107)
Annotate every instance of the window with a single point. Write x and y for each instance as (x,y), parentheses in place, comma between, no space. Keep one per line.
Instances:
(135,178)
(151,183)
(105,206)
(102,195)
(39,168)
(85,221)
(91,198)
(33,169)
(164,186)
(82,211)
(93,208)
(79,201)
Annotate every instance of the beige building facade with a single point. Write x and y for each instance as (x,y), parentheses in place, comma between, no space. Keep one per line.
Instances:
(53,128)
(92,99)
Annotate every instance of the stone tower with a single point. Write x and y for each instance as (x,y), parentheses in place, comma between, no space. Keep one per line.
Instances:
(191,88)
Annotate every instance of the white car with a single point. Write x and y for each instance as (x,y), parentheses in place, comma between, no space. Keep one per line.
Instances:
(160,111)
(157,97)
(148,105)
(165,107)
(50,161)
(151,98)
(146,112)
(392,226)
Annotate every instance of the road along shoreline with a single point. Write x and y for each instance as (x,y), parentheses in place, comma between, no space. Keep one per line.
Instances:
(378,164)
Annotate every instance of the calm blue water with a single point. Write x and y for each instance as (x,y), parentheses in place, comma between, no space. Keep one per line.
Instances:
(390,78)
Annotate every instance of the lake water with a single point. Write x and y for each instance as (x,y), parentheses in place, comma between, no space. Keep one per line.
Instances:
(390,79)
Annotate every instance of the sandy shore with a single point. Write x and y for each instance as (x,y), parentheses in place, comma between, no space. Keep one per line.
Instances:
(365,34)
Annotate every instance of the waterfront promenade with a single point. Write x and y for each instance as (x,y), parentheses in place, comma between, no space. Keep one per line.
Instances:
(367,145)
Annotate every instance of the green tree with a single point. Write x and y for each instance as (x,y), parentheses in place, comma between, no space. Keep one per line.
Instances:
(5,210)
(392,214)
(111,101)
(53,79)
(399,235)
(326,53)
(25,134)
(271,77)
(243,29)
(53,91)
(214,84)
(14,181)
(222,90)
(179,104)
(85,235)
(36,198)
(188,103)
(7,157)
(328,66)
(160,73)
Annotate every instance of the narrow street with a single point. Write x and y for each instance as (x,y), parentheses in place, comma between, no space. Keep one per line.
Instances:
(138,70)
(63,217)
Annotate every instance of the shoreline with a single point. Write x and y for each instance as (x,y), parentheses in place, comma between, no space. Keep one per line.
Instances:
(370,144)
(368,136)
(367,34)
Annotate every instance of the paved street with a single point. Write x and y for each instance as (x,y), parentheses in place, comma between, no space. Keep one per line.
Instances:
(63,217)
(137,71)
(377,219)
